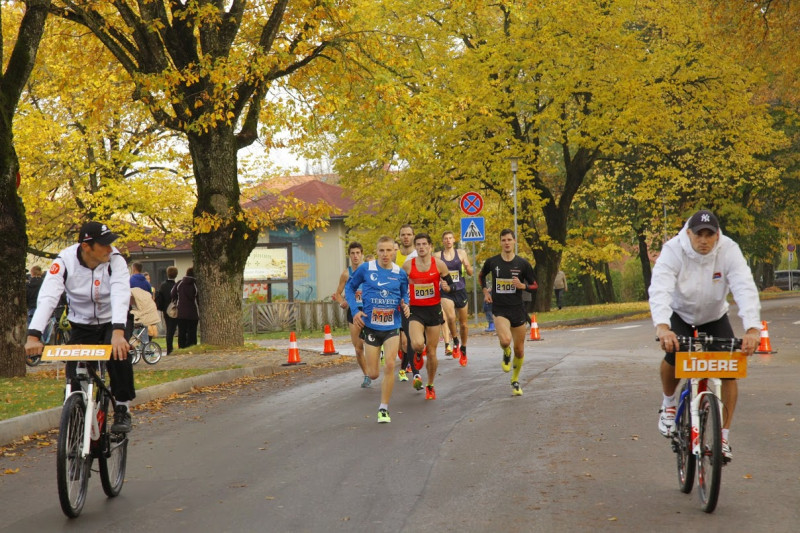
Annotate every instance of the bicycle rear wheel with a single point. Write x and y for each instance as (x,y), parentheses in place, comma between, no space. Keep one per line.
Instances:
(682,443)
(709,469)
(72,468)
(113,455)
(33,360)
(151,353)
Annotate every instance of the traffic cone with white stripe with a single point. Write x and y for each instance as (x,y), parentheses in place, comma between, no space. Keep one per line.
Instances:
(327,348)
(294,352)
(534,330)
(764,347)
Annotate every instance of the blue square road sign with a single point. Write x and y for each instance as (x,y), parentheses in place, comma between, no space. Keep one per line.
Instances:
(473,229)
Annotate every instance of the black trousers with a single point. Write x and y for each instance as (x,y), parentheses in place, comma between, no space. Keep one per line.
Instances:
(171,324)
(120,372)
(187,332)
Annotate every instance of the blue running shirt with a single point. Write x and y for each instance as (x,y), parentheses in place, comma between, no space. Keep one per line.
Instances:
(382,290)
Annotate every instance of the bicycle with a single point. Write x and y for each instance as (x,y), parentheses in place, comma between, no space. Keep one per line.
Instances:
(56,332)
(84,432)
(149,351)
(697,437)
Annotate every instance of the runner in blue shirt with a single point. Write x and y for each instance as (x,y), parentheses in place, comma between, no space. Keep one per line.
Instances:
(384,292)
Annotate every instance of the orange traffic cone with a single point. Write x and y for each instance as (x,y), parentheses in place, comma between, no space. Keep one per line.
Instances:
(764,346)
(534,330)
(328,348)
(294,352)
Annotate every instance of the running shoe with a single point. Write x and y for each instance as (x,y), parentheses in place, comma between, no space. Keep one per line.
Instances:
(516,390)
(402,375)
(448,349)
(666,420)
(417,382)
(727,454)
(463,359)
(430,393)
(383,416)
(419,361)
(507,359)
(457,352)
(409,370)
(366,383)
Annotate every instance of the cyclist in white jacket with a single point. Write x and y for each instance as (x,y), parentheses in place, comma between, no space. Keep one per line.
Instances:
(691,281)
(95,277)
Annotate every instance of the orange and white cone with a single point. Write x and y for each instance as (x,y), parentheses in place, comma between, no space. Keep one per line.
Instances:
(764,346)
(294,352)
(327,348)
(534,330)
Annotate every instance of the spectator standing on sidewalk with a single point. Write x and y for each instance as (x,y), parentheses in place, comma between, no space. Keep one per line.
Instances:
(163,298)
(185,292)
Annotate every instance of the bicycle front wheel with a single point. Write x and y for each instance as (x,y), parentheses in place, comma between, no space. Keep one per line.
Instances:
(151,353)
(682,441)
(709,468)
(33,360)
(113,455)
(72,467)
(135,355)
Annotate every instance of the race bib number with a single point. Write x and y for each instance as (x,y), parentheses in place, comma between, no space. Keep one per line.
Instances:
(424,291)
(358,296)
(383,317)
(456,275)
(504,286)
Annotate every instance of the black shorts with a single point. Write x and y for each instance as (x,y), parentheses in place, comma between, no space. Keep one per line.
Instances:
(720,328)
(459,297)
(376,337)
(427,315)
(515,314)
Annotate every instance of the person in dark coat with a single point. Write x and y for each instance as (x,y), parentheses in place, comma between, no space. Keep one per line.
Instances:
(163,298)
(185,292)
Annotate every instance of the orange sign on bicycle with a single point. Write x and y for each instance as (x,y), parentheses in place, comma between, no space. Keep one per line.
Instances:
(77,352)
(700,365)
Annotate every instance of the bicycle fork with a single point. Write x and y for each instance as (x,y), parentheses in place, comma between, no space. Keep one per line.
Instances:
(699,389)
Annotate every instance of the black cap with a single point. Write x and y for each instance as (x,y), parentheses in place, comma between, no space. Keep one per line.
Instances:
(96,232)
(703,219)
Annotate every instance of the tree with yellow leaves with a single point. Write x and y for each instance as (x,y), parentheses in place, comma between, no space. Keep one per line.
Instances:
(22,38)
(449,94)
(204,69)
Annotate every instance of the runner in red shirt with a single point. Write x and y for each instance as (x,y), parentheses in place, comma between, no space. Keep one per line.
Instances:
(425,276)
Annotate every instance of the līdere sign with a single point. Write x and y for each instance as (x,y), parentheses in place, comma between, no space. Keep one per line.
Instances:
(710,365)
(77,352)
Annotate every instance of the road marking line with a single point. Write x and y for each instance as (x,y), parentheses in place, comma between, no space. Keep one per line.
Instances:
(628,327)
(584,329)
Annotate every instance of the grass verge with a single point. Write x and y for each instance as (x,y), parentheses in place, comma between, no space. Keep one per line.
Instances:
(43,390)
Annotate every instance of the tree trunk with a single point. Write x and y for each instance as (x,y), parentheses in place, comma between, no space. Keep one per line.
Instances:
(605,288)
(644,259)
(13,236)
(13,251)
(587,284)
(219,254)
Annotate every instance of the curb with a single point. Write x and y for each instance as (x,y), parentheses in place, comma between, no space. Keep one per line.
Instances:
(42,421)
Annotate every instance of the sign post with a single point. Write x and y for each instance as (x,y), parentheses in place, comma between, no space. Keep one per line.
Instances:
(473,229)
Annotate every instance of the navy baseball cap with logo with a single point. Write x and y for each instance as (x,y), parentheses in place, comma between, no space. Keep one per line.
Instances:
(703,219)
(96,232)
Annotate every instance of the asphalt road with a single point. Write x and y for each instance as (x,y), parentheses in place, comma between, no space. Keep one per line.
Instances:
(579,451)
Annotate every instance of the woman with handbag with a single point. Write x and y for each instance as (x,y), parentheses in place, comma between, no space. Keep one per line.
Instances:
(163,301)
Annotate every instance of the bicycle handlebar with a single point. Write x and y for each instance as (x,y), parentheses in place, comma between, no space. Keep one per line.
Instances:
(704,340)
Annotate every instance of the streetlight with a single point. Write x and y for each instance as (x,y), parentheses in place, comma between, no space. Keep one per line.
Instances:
(514,168)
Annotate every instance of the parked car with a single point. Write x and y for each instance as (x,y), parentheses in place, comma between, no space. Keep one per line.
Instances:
(782,279)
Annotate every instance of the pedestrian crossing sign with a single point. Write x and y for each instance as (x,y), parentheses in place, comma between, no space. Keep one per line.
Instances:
(473,229)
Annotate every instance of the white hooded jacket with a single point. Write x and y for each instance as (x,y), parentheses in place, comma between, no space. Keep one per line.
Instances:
(696,286)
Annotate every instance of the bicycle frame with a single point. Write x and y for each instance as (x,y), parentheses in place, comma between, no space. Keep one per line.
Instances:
(87,377)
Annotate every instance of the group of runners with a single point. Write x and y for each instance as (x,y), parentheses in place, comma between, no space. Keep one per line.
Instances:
(399,301)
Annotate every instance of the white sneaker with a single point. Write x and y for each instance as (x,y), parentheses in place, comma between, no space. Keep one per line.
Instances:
(727,454)
(666,420)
